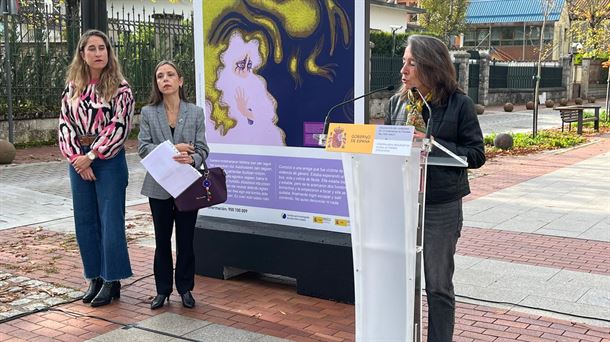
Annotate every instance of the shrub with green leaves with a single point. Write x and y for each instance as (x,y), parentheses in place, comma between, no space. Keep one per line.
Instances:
(544,140)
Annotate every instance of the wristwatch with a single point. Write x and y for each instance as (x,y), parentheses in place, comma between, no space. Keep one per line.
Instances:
(91,155)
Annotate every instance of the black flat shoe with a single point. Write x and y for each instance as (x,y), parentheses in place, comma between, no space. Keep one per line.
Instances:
(108,291)
(187,300)
(94,287)
(158,301)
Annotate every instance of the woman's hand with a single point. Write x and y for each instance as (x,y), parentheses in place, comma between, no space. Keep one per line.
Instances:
(184,158)
(242,104)
(188,148)
(81,163)
(87,174)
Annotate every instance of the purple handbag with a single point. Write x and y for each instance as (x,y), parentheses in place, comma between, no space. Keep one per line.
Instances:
(210,189)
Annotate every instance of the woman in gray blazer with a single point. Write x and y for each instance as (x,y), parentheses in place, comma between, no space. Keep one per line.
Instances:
(170,117)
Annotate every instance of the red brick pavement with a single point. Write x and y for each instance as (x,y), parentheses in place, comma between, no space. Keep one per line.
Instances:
(245,303)
(276,309)
(526,248)
(505,171)
(580,255)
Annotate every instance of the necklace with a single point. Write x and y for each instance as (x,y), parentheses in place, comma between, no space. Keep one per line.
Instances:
(172,116)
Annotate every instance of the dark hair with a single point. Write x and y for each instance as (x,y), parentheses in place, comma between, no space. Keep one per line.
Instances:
(434,67)
(156,96)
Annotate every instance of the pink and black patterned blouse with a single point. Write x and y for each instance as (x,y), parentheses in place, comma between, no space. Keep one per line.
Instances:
(89,114)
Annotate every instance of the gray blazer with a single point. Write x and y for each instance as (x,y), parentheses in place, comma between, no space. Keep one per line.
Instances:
(154,129)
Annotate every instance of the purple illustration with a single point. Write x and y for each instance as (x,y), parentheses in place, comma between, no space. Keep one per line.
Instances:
(245,94)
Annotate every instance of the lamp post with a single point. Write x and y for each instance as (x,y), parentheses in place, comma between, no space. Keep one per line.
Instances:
(8,8)
(394,29)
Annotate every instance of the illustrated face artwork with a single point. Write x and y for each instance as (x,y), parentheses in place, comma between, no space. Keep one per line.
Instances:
(300,50)
(243,66)
(245,94)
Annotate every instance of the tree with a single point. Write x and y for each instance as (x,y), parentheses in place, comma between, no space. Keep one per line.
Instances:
(444,18)
(546,5)
(590,25)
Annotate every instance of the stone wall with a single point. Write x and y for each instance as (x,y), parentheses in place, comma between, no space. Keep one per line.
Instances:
(36,130)
(521,96)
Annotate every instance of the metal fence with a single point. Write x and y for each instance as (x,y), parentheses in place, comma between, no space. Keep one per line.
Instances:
(385,70)
(521,76)
(42,43)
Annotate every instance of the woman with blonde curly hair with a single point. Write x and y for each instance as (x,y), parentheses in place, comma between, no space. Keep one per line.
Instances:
(96,114)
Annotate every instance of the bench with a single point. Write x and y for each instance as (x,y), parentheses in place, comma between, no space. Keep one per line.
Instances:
(575,114)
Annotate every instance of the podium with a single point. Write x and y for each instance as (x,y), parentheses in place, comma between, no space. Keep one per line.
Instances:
(385,181)
(383,204)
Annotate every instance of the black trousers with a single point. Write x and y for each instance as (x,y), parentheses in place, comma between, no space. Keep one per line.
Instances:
(164,214)
(443,225)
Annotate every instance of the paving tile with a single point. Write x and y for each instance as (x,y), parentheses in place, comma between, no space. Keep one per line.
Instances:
(173,323)
(216,332)
(132,335)
(569,307)
(501,268)
(597,297)
(490,293)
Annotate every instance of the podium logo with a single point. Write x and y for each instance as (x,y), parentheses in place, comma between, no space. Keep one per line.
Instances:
(342,222)
(321,219)
(338,138)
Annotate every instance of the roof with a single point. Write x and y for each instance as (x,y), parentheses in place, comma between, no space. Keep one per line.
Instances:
(510,11)
(397,6)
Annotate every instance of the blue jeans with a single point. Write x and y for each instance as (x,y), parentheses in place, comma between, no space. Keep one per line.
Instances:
(443,225)
(99,218)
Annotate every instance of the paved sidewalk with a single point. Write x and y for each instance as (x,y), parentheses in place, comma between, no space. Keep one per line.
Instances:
(496,120)
(519,245)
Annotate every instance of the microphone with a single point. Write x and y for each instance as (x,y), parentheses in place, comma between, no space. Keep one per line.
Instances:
(327,118)
(415,90)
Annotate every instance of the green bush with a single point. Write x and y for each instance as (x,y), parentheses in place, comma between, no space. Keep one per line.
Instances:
(545,139)
(383,43)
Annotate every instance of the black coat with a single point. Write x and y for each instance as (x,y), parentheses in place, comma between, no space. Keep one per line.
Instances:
(456,127)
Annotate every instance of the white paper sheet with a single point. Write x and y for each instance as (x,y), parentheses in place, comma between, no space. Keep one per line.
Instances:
(171,175)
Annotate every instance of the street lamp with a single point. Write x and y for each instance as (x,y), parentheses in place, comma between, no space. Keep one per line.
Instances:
(394,29)
(7,8)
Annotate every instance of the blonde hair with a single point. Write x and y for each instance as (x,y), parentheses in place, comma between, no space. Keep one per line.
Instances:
(78,71)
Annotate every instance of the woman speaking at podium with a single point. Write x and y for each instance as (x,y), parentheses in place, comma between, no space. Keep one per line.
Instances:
(431,100)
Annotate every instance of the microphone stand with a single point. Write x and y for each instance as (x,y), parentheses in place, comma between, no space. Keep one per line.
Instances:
(322,137)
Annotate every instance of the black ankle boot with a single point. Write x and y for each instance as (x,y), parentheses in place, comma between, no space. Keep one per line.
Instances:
(187,299)
(158,301)
(94,287)
(108,291)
